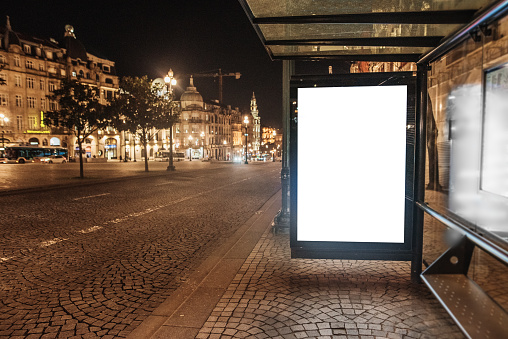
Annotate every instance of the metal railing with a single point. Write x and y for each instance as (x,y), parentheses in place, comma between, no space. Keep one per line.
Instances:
(486,244)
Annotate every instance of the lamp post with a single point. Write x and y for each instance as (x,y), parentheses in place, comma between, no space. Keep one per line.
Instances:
(274,153)
(203,145)
(246,121)
(3,119)
(190,147)
(170,82)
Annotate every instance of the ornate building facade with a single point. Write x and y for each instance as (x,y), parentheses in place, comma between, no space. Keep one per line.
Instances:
(256,128)
(271,141)
(206,130)
(32,68)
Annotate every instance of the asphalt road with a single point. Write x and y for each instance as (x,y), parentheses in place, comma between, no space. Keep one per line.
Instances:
(96,260)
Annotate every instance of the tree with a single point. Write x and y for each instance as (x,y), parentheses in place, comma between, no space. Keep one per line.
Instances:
(79,111)
(143,109)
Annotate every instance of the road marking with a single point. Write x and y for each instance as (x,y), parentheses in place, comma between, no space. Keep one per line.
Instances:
(90,229)
(91,196)
(52,242)
(132,215)
(165,183)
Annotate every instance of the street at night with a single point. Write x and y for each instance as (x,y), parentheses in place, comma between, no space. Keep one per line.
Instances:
(96,260)
(253,169)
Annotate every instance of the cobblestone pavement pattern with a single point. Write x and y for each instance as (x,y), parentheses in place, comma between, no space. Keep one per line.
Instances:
(273,296)
(95,261)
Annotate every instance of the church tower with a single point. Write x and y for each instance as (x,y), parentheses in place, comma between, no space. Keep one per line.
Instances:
(256,127)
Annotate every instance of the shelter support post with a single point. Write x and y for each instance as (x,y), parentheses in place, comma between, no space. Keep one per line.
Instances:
(419,180)
(281,221)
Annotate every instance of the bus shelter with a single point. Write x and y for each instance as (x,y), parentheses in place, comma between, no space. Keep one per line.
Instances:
(419,168)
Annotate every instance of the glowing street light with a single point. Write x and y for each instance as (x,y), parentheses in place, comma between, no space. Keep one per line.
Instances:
(3,120)
(246,121)
(170,82)
(203,144)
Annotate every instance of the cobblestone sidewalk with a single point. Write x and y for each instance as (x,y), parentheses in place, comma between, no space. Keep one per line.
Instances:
(273,296)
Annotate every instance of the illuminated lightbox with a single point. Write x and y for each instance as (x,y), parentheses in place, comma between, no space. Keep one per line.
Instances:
(351,164)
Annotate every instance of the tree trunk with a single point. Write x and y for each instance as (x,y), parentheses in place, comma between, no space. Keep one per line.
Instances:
(81,174)
(171,166)
(146,154)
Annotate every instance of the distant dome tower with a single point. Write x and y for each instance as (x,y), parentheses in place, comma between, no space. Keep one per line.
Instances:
(256,128)
(191,96)
(74,48)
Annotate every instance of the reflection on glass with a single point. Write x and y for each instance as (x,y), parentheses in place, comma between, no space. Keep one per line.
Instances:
(495,138)
(464,119)
(269,8)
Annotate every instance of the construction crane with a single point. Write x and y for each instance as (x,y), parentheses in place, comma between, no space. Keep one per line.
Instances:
(217,74)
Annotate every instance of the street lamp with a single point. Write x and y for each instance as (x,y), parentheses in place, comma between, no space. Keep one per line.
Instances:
(203,145)
(274,152)
(190,147)
(246,121)
(170,82)
(4,120)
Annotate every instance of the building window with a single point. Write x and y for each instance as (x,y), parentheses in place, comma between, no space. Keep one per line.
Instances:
(17,80)
(43,104)
(53,106)
(49,55)
(4,99)
(51,86)
(109,95)
(31,102)
(16,61)
(32,122)
(41,84)
(81,74)
(28,49)
(41,67)
(19,122)
(2,60)
(74,73)
(106,68)
(97,78)
(109,80)
(3,78)
(30,82)
(19,103)
(29,64)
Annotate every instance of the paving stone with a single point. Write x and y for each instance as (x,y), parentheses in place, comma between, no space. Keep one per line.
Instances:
(358,299)
(120,272)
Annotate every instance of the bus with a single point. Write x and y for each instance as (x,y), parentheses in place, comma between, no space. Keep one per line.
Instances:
(22,154)
(164,156)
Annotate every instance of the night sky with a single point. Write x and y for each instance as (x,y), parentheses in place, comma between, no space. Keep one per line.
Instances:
(149,37)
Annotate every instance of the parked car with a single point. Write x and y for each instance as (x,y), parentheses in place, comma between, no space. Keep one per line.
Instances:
(57,159)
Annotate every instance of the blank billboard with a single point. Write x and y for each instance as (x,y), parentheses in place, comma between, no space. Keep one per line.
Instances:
(351,164)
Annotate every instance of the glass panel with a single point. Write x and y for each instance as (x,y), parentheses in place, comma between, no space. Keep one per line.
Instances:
(343,50)
(453,130)
(467,128)
(335,31)
(436,239)
(270,8)
(494,175)
(491,275)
